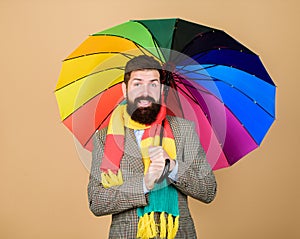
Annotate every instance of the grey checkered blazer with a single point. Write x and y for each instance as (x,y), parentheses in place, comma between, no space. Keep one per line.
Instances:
(195,179)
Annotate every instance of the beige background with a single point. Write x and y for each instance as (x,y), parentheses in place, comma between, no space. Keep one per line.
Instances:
(42,179)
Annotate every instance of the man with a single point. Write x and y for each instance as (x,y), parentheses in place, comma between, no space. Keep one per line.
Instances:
(129,158)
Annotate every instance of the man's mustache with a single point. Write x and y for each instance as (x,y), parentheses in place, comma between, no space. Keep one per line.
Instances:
(148,98)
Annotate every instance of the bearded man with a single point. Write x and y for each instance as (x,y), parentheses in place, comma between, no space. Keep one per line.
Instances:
(128,177)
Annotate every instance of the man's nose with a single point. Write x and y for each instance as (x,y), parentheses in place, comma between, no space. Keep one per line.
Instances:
(145,90)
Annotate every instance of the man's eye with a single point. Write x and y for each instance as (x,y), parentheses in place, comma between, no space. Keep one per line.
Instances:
(136,84)
(153,85)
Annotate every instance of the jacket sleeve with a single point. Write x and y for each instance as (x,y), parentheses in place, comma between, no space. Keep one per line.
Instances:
(116,199)
(195,177)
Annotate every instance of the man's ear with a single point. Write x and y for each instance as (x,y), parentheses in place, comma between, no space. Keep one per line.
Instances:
(124,89)
(162,86)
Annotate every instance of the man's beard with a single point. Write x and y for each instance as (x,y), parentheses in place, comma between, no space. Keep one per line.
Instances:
(143,115)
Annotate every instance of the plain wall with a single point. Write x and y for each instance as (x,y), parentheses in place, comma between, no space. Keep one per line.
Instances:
(43,182)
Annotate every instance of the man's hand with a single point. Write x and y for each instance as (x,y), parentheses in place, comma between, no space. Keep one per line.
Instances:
(157,157)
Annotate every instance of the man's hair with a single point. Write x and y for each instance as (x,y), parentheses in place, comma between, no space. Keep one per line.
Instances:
(142,62)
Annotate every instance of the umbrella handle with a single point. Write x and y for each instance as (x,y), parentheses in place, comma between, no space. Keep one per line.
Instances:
(167,161)
(165,171)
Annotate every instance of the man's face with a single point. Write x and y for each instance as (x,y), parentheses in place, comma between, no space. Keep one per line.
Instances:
(143,95)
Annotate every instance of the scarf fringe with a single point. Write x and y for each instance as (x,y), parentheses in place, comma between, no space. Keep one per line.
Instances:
(110,179)
(147,227)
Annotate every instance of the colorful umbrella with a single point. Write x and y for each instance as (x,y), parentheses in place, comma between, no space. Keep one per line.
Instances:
(215,81)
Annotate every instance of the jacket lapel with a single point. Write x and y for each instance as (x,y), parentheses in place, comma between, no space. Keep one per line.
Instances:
(175,126)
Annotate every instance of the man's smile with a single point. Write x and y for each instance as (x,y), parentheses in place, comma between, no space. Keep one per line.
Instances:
(144,103)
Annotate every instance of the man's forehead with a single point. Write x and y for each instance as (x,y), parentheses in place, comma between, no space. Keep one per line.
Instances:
(145,75)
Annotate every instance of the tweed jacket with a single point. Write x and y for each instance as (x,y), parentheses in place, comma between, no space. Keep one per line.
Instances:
(195,179)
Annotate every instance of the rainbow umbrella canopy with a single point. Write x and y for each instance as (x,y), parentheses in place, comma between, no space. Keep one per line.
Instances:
(214,81)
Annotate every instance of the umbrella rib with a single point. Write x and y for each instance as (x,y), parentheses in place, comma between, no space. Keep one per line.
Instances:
(138,45)
(177,98)
(120,68)
(162,56)
(107,52)
(174,31)
(189,96)
(196,71)
(94,73)
(90,137)
(239,46)
(255,102)
(191,86)
(196,102)
(204,53)
(96,53)
(143,50)
(173,37)
(186,85)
